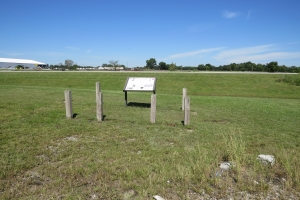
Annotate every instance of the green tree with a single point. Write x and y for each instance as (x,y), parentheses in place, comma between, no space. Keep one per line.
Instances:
(294,69)
(249,66)
(259,67)
(282,68)
(234,67)
(151,63)
(179,67)
(73,67)
(272,66)
(209,67)
(242,67)
(227,68)
(172,67)
(201,67)
(163,66)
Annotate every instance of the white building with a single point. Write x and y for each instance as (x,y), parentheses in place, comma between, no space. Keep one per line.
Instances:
(11,63)
(110,68)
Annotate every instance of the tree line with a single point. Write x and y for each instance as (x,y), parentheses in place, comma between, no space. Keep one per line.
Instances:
(152,65)
(246,66)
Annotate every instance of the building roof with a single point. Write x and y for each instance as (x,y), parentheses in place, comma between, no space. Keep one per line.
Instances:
(20,61)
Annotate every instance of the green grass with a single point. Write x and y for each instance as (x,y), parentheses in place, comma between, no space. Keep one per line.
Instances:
(293,80)
(234,117)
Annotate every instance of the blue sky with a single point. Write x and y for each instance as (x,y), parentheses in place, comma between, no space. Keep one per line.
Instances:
(185,32)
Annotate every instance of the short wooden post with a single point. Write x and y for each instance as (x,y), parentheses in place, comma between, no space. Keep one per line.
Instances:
(97,89)
(187,112)
(126,98)
(68,102)
(99,103)
(99,109)
(153,108)
(184,93)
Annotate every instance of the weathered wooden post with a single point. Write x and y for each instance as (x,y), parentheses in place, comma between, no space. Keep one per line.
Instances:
(99,103)
(187,110)
(97,89)
(68,103)
(100,107)
(126,98)
(153,108)
(184,93)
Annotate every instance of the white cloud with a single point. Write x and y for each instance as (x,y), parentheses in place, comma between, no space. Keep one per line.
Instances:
(261,53)
(88,51)
(244,51)
(267,57)
(291,43)
(229,15)
(193,53)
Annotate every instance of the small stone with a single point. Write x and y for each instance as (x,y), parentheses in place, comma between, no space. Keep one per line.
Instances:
(266,159)
(74,139)
(225,165)
(94,196)
(158,197)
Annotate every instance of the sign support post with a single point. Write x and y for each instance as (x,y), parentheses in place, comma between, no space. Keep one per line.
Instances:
(125,98)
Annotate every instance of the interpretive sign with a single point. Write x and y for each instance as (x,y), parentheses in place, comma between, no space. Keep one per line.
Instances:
(139,84)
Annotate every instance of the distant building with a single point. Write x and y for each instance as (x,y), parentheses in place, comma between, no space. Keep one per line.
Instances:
(11,63)
(110,68)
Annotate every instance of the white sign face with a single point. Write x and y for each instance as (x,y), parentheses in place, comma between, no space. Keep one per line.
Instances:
(140,84)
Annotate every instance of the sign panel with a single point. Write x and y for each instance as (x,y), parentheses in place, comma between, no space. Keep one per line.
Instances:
(140,84)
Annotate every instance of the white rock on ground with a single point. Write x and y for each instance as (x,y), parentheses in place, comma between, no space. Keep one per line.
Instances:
(266,159)
(158,197)
(225,165)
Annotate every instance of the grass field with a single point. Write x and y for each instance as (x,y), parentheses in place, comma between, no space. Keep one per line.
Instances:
(234,117)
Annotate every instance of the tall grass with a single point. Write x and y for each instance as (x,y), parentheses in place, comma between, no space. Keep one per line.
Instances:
(293,80)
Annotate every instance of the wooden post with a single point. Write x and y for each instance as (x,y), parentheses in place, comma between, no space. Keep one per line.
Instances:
(125,98)
(184,93)
(153,108)
(68,102)
(97,90)
(187,111)
(99,109)
(99,103)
